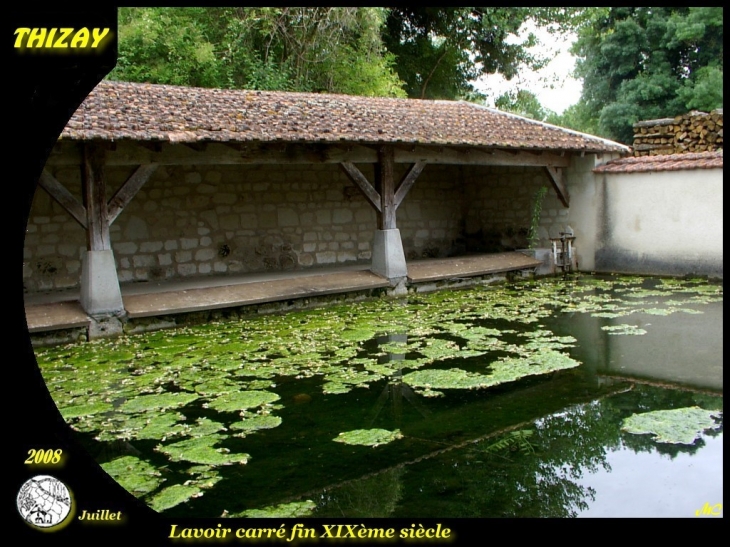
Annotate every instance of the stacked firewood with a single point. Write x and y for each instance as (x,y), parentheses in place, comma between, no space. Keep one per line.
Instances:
(692,132)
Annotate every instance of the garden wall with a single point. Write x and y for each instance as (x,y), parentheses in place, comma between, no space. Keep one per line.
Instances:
(663,223)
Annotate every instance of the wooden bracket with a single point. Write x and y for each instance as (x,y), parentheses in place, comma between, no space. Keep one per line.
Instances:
(129,189)
(64,198)
(555,174)
(361,181)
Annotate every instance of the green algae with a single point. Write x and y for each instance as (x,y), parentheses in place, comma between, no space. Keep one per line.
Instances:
(454,378)
(256,422)
(294,509)
(156,402)
(174,495)
(242,400)
(368,437)
(624,329)
(147,426)
(76,411)
(204,427)
(200,450)
(134,387)
(677,426)
(136,476)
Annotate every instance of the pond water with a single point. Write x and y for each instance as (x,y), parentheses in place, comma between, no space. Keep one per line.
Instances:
(578,396)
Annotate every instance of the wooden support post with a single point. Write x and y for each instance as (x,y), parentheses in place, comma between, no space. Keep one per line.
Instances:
(385,185)
(100,296)
(556,179)
(97,219)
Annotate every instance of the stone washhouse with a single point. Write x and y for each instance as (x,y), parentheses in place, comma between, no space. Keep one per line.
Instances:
(156,185)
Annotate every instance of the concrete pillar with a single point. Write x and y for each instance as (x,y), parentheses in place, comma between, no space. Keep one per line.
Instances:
(388,259)
(100,292)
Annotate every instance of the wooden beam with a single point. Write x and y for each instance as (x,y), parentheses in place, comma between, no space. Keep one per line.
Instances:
(197,146)
(385,184)
(128,190)
(408,181)
(480,156)
(129,153)
(153,146)
(362,183)
(94,187)
(64,198)
(556,179)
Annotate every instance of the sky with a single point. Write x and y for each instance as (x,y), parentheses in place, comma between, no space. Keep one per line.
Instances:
(553,85)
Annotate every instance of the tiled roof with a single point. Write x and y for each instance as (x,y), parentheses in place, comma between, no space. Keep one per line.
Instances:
(668,162)
(147,112)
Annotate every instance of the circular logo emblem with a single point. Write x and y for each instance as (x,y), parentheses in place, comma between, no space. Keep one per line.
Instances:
(44,501)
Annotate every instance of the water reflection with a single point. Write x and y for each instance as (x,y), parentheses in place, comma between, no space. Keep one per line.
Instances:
(580,464)
(395,389)
(545,441)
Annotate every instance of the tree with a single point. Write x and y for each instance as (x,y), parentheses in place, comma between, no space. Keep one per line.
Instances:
(647,63)
(440,52)
(523,103)
(337,50)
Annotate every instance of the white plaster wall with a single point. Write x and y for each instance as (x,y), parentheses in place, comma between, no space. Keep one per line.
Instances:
(666,222)
(667,212)
(586,207)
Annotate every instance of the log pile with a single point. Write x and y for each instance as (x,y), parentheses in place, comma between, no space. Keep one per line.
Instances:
(692,132)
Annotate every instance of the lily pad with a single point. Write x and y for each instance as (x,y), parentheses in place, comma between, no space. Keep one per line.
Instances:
(174,495)
(257,422)
(136,476)
(454,378)
(85,410)
(624,329)
(200,450)
(285,510)
(241,400)
(678,426)
(159,401)
(368,437)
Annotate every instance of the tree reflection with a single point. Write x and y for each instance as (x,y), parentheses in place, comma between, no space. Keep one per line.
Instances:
(500,477)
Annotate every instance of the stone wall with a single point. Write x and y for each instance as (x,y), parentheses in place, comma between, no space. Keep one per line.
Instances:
(499,208)
(221,220)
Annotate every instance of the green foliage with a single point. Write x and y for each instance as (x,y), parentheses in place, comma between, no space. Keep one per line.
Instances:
(393,52)
(513,441)
(646,63)
(440,51)
(523,103)
(336,50)
(579,116)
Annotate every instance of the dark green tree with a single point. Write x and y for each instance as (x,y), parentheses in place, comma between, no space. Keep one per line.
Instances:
(337,50)
(524,103)
(646,63)
(441,51)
